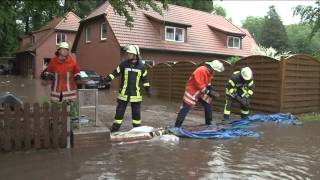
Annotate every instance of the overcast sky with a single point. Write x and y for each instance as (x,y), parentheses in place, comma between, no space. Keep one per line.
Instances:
(238,10)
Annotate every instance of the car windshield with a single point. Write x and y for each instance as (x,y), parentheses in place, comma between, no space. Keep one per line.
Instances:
(88,74)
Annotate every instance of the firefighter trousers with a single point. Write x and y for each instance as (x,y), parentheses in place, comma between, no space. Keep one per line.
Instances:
(186,108)
(120,110)
(244,111)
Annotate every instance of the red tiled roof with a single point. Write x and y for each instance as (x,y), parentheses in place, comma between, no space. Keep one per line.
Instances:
(70,22)
(200,37)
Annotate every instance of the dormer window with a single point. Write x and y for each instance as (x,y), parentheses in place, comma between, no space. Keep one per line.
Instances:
(61,37)
(234,42)
(174,34)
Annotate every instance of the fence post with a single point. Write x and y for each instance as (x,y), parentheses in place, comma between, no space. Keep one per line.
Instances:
(46,117)
(7,128)
(55,112)
(282,68)
(36,123)
(27,128)
(64,126)
(17,127)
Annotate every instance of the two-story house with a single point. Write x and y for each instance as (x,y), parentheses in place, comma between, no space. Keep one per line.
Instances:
(180,34)
(37,48)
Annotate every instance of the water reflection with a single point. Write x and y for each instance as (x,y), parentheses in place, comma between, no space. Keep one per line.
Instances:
(281,152)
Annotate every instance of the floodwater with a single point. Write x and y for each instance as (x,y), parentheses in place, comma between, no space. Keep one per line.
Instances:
(281,151)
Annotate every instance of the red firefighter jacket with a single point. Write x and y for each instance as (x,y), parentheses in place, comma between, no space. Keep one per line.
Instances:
(196,85)
(64,85)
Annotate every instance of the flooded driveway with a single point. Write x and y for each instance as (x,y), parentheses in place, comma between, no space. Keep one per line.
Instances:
(281,151)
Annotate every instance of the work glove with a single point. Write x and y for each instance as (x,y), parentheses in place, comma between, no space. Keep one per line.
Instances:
(243,101)
(211,92)
(47,76)
(148,92)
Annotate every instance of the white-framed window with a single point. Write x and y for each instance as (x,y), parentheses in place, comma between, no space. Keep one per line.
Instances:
(234,42)
(149,62)
(174,34)
(88,34)
(61,37)
(103,31)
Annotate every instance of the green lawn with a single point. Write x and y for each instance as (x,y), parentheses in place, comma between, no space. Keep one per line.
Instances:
(314,116)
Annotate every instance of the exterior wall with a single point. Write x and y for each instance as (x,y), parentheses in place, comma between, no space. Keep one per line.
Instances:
(165,56)
(102,56)
(48,48)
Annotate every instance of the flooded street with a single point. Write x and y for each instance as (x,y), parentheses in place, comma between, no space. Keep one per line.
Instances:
(281,151)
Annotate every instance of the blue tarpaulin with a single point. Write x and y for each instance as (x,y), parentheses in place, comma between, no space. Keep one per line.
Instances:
(238,128)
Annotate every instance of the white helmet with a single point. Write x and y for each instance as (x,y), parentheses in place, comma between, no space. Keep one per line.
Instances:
(246,73)
(64,45)
(133,49)
(216,65)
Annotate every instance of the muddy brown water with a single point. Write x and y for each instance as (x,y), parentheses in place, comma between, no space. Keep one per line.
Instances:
(281,151)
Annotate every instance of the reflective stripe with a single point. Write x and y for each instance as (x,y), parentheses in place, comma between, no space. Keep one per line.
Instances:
(250,92)
(251,83)
(135,98)
(123,97)
(137,122)
(118,69)
(188,100)
(244,112)
(125,84)
(68,81)
(225,109)
(55,82)
(231,82)
(145,73)
(146,84)
(138,84)
(111,76)
(118,121)
(189,95)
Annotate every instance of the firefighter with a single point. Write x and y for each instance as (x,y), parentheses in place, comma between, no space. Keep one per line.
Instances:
(133,76)
(63,73)
(199,88)
(239,88)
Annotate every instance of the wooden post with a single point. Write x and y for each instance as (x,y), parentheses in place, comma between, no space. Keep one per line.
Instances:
(46,118)
(55,118)
(17,127)
(282,69)
(27,128)
(36,118)
(64,119)
(7,128)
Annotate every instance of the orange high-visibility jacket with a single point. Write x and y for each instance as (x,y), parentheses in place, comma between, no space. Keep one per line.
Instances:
(196,86)
(64,83)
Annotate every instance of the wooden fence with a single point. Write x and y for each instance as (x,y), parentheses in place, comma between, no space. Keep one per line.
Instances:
(33,127)
(301,85)
(290,85)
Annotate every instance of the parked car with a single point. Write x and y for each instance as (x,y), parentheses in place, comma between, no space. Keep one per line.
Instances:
(3,70)
(92,80)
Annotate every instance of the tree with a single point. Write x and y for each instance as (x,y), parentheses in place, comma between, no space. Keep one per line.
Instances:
(202,5)
(219,10)
(9,30)
(309,15)
(254,25)
(299,39)
(273,33)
